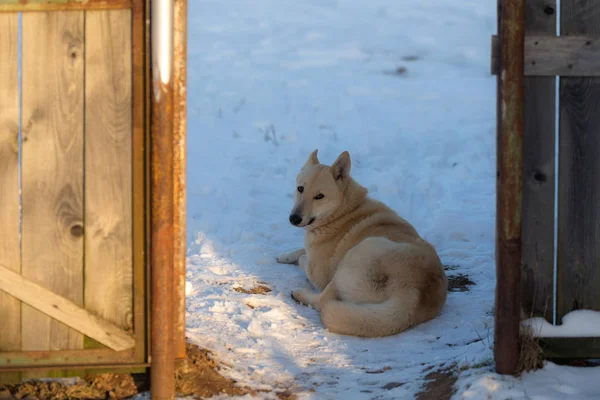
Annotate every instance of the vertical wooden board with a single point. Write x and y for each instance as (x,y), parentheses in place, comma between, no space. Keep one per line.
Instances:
(108,168)
(52,174)
(139,187)
(579,174)
(537,278)
(10,246)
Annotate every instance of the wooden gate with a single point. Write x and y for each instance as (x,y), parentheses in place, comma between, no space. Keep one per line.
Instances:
(549,170)
(75,219)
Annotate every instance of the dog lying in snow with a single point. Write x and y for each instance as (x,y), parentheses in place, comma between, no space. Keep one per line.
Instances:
(375,275)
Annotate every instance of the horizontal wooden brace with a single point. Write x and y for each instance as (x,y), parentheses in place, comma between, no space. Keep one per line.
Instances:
(112,367)
(62,5)
(570,347)
(555,55)
(64,310)
(562,55)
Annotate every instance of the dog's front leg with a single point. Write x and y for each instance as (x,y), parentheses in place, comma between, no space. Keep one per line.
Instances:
(292,257)
(315,300)
(313,272)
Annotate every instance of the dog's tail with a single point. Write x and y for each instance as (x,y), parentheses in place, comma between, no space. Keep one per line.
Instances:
(371,320)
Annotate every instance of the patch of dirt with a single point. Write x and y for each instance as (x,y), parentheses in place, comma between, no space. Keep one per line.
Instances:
(92,387)
(260,289)
(440,385)
(410,58)
(400,71)
(198,374)
(448,267)
(378,371)
(459,283)
(392,385)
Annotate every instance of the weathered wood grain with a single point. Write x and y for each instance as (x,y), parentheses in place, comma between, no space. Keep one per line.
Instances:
(108,168)
(62,5)
(140,116)
(52,176)
(537,276)
(10,246)
(509,188)
(61,309)
(563,55)
(579,173)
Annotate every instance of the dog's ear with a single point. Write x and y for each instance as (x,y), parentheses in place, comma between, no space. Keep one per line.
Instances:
(341,167)
(312,159)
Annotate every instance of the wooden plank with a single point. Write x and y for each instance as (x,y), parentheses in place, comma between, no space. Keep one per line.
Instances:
(129,368)
(52,177)
(108,186)
(59,358)
(179,157)
(10,245)
(564,55)
(579,174)
(537,276)
(63,310)
(139,176)
(571,347)
(56,5)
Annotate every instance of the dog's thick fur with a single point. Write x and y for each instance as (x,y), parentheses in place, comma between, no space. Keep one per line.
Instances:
(375,274)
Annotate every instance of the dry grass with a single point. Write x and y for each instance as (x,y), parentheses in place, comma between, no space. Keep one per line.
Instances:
(531,356)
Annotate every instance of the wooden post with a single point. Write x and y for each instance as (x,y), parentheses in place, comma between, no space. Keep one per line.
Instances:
(509,186)
(179,156)
(579,170)
(162,202)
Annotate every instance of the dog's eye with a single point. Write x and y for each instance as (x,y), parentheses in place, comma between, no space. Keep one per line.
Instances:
(319,196)
(300,189)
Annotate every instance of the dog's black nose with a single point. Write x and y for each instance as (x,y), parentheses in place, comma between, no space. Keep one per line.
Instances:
(295,219)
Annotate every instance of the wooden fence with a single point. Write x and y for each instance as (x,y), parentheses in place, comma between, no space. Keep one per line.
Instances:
(76,210)
(564,209)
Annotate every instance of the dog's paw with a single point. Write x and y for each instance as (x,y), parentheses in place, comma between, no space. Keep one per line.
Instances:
(290,258)
(293,296)
(284,259)
(300,297)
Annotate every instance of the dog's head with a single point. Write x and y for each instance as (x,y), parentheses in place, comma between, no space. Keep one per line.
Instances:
(319,189)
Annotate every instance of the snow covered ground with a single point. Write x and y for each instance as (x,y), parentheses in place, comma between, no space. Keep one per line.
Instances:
(405,87)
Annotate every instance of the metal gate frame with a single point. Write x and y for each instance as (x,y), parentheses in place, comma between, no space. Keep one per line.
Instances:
(159,80)
(526,57)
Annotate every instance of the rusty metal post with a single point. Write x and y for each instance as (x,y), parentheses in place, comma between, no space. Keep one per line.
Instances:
(509,185)
(162,370)
(179,133)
